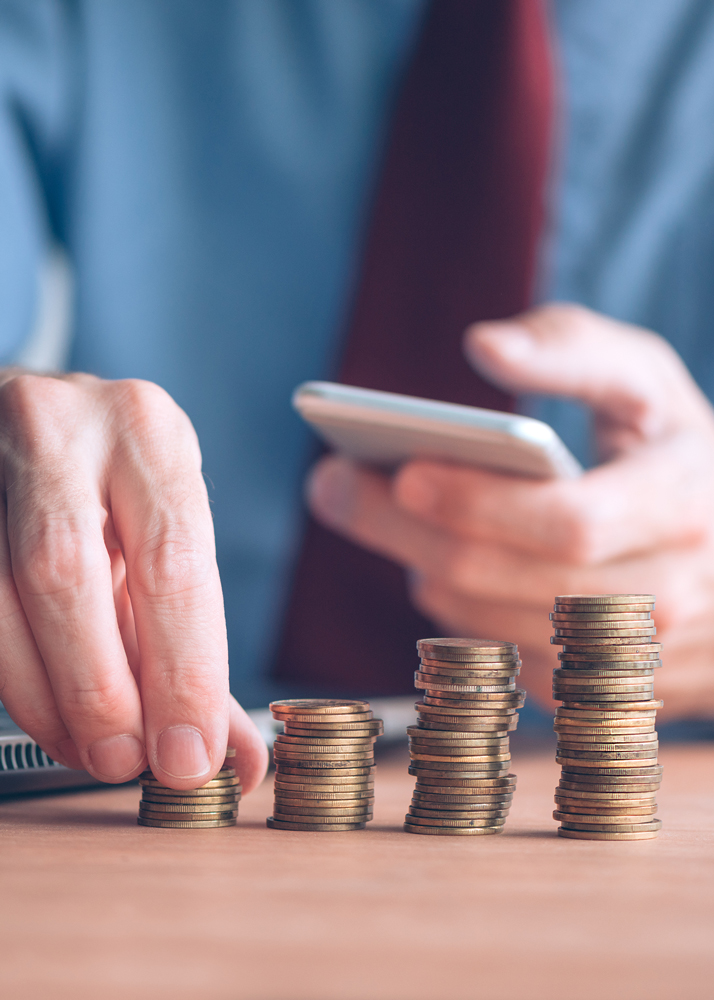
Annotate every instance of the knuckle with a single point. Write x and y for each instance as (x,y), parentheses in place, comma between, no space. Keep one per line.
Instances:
(148,408)
(99,699)
(170,565)
(33,410)
(58,555)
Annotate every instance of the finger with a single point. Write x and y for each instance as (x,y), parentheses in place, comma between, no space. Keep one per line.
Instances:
(251,760)
(61,569)
(162,519)
(25,689)
(359,504)
(632,377)
(658,495)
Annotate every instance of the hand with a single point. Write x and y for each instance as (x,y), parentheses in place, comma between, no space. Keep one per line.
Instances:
(112,635)
(488,552)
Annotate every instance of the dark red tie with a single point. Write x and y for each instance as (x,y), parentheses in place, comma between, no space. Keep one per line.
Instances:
(455,230)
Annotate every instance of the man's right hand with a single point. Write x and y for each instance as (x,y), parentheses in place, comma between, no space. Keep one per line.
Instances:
(113,648)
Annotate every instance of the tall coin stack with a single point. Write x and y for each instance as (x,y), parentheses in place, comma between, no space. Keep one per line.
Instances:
(213,804)
(324,765)
(607,744)
(459,747)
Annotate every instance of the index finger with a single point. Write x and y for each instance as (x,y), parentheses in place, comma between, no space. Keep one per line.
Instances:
(163,521)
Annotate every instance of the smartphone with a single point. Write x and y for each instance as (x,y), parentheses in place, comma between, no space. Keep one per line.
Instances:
(386,429)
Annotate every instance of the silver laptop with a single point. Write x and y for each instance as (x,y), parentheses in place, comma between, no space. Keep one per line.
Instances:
(24,767)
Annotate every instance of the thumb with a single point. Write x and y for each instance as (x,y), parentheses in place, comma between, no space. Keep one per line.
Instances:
(629,376)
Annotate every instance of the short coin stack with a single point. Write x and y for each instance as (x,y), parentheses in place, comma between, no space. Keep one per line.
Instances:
(324,765)
(213,804)
(459,747)
(607,744)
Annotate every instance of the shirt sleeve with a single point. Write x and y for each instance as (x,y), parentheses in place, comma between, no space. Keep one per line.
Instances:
(35,101)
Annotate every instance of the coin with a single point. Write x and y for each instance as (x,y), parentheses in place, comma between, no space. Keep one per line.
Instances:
(631,706)
(425,681)
(435,668)
(357,729)
(500,781)
(450,802)
(208,800)
(316,741)
(599,835)
(282,808)
(325,772)
(185,824)
(651,825)
(319,706)
(599,616)
(440,647)
(443,831)
(485,713)
(441,821)
(274,824)
(607,599)
(486,815)
(202,794)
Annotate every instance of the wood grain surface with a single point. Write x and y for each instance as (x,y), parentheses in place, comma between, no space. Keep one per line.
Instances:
(95,907)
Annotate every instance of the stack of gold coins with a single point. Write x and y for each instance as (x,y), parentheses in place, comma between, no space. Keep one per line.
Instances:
(324,765)
(607,744)
(213,804)
(459,747)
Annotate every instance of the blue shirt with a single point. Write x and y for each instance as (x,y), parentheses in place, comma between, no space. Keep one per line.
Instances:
(208,167)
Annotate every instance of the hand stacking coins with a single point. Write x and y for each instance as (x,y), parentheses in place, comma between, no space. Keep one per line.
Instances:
(607,744)
(324,765)
(212,805)
(459,748)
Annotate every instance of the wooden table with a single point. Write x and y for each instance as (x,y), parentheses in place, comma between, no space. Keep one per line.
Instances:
(95,907)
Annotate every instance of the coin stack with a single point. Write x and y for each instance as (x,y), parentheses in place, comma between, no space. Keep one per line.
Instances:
(213,804)
(459,746)
(324,765)
(607,744)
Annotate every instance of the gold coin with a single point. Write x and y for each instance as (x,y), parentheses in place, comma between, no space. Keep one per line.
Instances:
(599,809)
(485,815)
(359,731)
(445,831)
(185,824)
(627,646)
(285,810)
(425,681)
(610,708)
(608,827)
(472,647)
(607,794)
(590,609)
(208,800)
(317,785)
(475,713)
(449,802)
(444,668)
(283,769)
(229,791)
(319,706)
(490,702)
(599,616)
(607,599)
(463,823)
(274,824)
(499,781)
(598,835)
(571,787)
(211,786)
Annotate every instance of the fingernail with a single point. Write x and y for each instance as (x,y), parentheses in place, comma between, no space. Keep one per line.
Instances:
(418,492)
(331,490)
(70,755)
(512,342)
(116,757)
(181,752)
